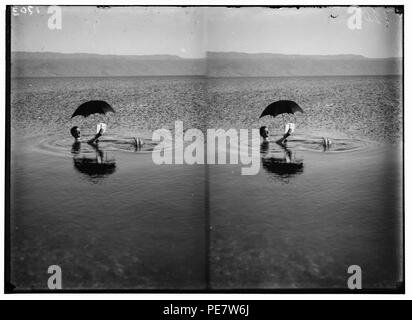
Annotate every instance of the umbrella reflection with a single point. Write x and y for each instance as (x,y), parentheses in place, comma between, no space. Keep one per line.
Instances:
(281,167)
(94,165)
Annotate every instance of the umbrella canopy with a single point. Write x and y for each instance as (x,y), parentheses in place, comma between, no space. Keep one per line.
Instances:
(91,107)
(280,107)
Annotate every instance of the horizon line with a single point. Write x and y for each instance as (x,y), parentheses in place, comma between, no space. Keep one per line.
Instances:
(227,52)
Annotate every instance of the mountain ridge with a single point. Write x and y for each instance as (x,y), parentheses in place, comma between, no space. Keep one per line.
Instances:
(217,64)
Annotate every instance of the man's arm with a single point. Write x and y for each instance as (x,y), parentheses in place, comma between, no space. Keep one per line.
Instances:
(97,136)
(285,136)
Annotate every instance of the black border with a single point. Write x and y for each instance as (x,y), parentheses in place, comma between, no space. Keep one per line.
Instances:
(7,160)
(9,288)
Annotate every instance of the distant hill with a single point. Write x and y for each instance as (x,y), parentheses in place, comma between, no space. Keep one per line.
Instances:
(242,55)
(262,64)
(217,64)
(49,64)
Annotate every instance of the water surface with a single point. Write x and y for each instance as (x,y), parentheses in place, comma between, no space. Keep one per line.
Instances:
(112,219)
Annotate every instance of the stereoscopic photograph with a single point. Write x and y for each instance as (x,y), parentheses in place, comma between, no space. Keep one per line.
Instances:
(204,149)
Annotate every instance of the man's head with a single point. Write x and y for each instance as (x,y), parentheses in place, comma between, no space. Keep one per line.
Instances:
(264,132)
(75,131)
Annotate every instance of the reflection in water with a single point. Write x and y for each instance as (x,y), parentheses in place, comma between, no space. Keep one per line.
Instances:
(95,166)
(283,167)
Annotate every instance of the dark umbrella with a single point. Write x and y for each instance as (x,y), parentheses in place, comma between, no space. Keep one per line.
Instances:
(281,107)
(91,107)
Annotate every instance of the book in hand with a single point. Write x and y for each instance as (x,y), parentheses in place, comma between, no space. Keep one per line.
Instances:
(101,126)
(289,126)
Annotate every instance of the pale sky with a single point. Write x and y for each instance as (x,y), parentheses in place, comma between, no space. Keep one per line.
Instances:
(190,32)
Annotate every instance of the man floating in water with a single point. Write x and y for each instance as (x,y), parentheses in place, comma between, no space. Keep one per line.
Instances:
(289,128)
(76,133)
(264,133)
(92,107)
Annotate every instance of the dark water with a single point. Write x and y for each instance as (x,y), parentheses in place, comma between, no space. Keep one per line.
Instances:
(126,225)
(113,219)
(302,224)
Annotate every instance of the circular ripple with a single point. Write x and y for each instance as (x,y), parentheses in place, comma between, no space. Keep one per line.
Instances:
(312,143)
(316,143)
(111,143)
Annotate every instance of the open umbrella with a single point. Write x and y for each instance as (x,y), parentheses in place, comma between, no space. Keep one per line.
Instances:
(281,107)
(91,107)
